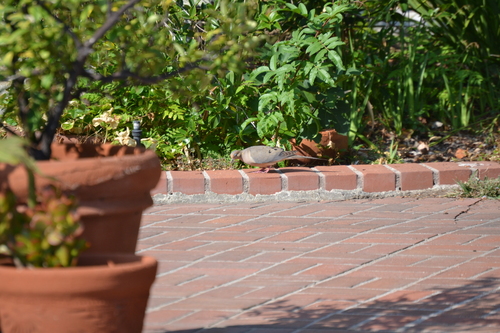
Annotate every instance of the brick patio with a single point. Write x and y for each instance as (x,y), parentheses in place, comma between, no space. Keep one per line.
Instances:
(382,265)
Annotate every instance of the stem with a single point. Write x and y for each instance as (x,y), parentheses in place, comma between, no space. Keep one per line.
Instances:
(31,188)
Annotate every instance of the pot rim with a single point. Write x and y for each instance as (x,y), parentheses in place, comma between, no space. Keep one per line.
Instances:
(95,261)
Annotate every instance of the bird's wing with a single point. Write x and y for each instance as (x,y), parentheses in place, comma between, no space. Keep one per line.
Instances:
(295,156)
(263,156)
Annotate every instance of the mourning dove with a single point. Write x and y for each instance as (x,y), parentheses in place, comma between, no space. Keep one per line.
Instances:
(264,156)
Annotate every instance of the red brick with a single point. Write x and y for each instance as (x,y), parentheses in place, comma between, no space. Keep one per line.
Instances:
(164,316)
(449,173)
(161,187)
(263,183)
(301,179)
(414,176)
(284,282)
(225,181)
(288,268)
(485,169)
(377,178)
(302,210)
(188,182)
(387,283)
(292,236)
(343,293)
(387,323)
(220,301)
(466,270)
(199,319)
(338,177)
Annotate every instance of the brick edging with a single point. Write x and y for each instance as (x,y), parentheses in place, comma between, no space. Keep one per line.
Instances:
(366,178)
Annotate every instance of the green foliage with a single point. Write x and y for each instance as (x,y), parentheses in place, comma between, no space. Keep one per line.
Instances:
(198,119)
(41,236)
(13,152)
(443,68)
(390,50)
(392,154)
(298,75)
(467,33)
(477,188)
(57,51)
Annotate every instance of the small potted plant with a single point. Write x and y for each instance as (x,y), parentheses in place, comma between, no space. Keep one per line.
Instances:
(49,284)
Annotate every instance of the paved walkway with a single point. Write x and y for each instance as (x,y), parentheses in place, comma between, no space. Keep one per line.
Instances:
(384,265)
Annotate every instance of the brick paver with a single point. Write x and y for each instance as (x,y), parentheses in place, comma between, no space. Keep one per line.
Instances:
(384,265)
(367,178)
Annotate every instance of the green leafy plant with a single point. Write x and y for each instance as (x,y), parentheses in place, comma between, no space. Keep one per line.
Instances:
(44,231)
(443,65)
(392,154)
(298,80)
(45,235)
(479,188)
(467,32)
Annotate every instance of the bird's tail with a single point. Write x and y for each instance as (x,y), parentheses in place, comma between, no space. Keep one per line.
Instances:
(309,157)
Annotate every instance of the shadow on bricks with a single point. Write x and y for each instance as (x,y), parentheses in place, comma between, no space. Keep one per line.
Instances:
(469,307)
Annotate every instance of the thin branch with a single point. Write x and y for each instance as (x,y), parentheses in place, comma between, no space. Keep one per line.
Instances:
(109,9)
(67,29)
(11,130)
(22,102)
(112,19)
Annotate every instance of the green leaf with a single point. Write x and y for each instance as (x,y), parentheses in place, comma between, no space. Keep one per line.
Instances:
(312,75)
(325,76)
(336,59)
(267,99)
(273,61)
(67,125)
(353,71)
(311,14)
(87,10)
(257,72)
(333,43)
(268,76)
(309,31)
(314,47)
(320,56)
(63,256)
(303,9)
(7,58)
(46,81)
(13,151)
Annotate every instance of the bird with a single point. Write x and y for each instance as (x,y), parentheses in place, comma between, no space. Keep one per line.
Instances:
(265,157)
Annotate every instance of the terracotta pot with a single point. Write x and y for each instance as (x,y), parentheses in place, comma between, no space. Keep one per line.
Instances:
(329,146)
(112,185)
(105,293)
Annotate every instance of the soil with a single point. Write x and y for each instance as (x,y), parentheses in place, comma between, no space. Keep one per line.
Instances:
(440,146)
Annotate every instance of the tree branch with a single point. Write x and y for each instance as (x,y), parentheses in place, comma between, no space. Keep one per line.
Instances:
(112,19)
(11,130)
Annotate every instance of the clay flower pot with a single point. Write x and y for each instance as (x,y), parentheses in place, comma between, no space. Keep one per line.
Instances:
(329,146)
(104,293)
(111,183)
